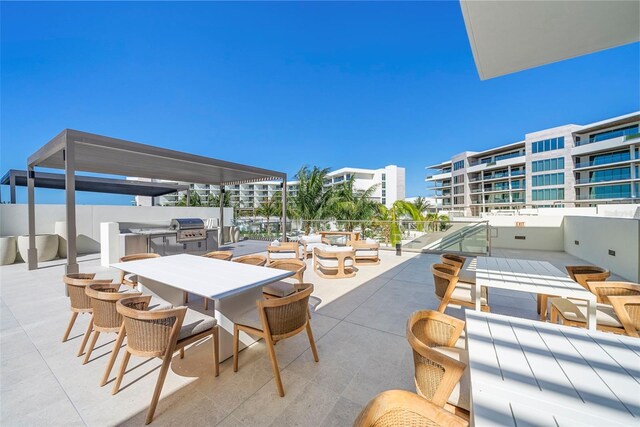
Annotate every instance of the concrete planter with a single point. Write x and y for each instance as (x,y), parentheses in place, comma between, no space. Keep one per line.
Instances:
(8,250)
(46,244)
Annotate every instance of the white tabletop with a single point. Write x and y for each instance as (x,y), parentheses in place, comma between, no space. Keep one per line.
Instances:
(539,277)
(207,277)
(525,372)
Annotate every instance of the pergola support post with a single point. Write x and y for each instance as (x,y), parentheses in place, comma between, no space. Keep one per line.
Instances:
(221,228)
(70,196)
(283,221)
(32,252)
(12,189)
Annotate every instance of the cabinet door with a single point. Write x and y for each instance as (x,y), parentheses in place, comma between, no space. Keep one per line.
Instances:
(156,245)
(172,247)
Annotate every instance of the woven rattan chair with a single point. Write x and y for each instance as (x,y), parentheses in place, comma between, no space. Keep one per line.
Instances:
(221,255)
(160,334)
(132,280)
(399,408)
(581,274)
(279,318)
(259,260)
(284,250)
(439,371)
(105,316)
(80,302)
(281,288)
(627,308)
(573,312)
(435,329)
(450,290)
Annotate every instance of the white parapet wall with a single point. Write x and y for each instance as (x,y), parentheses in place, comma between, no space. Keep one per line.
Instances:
(612,243)
(527,232)
(14,219)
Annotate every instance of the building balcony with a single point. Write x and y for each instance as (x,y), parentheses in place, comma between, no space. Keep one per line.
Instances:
(603,164)
(604,145)
(591,181)
(610,196)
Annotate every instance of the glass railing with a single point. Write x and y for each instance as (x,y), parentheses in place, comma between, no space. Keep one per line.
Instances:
(603,162)
(601,180)
(604,196)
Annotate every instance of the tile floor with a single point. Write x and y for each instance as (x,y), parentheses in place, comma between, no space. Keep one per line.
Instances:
(358,325)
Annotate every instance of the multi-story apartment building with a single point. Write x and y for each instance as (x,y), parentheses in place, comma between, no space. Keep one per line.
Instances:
(570,165)
(389,181)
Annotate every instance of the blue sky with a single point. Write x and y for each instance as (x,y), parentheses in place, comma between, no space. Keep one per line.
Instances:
(279,85)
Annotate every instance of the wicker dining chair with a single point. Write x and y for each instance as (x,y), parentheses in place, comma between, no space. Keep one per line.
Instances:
(449,289)
(221,255)
(627,308)
(439,372)
(160,334)
(132,280)
(80,302)
(573,312)
(278,319)
(259,260)
(105,316)
(435,329)
(581,274)
(281,288)
(400,408)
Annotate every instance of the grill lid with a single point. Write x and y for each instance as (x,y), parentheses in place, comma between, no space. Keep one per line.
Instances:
(186,223)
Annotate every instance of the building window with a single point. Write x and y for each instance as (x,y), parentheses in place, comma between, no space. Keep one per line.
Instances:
(610,175)
(384,176)
(547,165)
(458,189)
(603,159)
(547,145)
(508,155)
(548,194)
(384,201)
(384,184)
(458,179)
(547,179)
(458,165)
(610,192)
(601,136)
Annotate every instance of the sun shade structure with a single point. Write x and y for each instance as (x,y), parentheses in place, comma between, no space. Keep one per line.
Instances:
(91,184)
(74,150)
(510,36)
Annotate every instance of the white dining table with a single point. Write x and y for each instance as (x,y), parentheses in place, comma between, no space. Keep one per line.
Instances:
(537,277)
(528,373)
(233,287)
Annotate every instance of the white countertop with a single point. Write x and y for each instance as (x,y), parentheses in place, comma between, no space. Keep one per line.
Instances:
(207,277)
(525,372)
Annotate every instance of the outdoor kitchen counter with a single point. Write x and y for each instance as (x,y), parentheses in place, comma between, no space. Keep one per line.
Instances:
(233,287)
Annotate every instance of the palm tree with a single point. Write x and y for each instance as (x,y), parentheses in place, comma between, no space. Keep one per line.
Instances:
(311,201)
(213,200)
(421,204)
(194,199)
(270,207)
(352,205)
(393,218)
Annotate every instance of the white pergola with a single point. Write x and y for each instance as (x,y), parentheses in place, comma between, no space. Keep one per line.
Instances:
(73,150)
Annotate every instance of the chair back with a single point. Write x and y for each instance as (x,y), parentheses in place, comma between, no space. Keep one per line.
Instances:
(285,317)
(76,284)
(296,265)
(136,257)
(444,275)
(453,259)
(603,290)
(393,408)
(435,329)
(150,333)
(586,273)
(259,260)
(103,302)
(627,308)
(222,255)
(436,375)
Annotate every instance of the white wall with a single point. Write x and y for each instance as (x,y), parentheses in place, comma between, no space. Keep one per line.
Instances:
(598,235)
(14,218)
(541,233)
(620,211)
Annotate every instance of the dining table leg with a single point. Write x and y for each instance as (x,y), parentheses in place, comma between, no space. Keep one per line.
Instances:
(591,314)
(477,295)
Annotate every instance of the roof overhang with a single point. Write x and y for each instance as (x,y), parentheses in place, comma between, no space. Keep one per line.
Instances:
(510,36)
(605,124)
(101,154)
(93,184)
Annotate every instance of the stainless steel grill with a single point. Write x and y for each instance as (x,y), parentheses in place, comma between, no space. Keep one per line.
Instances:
(188,229)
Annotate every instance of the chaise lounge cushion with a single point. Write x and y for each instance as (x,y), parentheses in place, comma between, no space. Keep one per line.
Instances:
(282,255)
(195,323)
(366,252)
(464,292)
(311,238)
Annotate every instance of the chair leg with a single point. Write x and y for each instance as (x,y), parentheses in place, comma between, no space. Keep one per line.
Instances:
(182,353)
(185,297)
(114,355)
(123,368)
(543,300)
(236,338)
(86,337)
(96,334)
(156,393)
(274,365)
(216,349)
(206,304)
(312,342)
(74,316)
(539,303)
